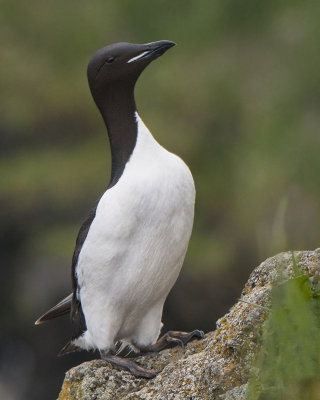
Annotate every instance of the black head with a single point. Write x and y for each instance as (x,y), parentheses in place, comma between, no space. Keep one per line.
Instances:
(120,64)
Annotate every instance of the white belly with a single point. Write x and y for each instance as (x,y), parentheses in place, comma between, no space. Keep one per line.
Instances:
(135,247)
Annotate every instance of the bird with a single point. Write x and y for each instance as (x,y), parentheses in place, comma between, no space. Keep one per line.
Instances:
(130,249)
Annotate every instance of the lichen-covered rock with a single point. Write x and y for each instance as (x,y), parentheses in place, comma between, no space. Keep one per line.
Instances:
(216,367)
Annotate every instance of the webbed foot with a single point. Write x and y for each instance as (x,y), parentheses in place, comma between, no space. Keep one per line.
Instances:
(173,338)
(129,365)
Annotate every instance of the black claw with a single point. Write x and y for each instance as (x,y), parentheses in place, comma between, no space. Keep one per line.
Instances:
(199,334)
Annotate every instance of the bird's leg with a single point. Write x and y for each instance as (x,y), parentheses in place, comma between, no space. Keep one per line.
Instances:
(172,338)
(125,363)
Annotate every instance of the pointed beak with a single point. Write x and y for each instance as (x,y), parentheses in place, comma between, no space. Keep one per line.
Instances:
(153,50)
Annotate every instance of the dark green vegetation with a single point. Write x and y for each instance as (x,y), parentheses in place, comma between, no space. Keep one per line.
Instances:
(238,99)
(288,364)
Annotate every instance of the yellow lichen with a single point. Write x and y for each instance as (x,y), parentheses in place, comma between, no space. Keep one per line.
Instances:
(69,389)
(65,391)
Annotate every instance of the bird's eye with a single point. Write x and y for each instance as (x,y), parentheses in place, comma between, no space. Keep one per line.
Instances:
(110,60)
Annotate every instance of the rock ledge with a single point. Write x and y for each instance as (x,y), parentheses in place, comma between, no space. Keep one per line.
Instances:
(216,367)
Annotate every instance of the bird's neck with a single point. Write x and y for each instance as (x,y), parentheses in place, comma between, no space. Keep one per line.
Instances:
(118,110)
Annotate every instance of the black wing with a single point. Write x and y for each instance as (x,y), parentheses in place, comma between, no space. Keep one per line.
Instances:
(77,317)
(71,304)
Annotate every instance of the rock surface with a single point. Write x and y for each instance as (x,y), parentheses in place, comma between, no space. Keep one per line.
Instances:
(216,367)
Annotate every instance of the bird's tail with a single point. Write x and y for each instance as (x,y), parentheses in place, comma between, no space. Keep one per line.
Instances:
(62,308)
(68,348)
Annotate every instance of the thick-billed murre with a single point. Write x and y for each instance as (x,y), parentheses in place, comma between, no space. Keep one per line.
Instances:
(130,249)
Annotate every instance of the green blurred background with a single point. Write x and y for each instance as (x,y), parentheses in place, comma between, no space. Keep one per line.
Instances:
(238,99)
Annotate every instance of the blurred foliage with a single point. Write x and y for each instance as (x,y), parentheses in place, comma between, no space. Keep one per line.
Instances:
(288,365)
(238,99)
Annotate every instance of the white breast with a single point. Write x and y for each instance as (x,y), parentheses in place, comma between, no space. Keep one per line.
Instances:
(135,246)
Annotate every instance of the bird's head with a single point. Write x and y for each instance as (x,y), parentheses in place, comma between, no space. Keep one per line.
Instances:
(120,64)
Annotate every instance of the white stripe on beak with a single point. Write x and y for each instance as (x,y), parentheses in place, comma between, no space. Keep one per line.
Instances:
(137,57)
